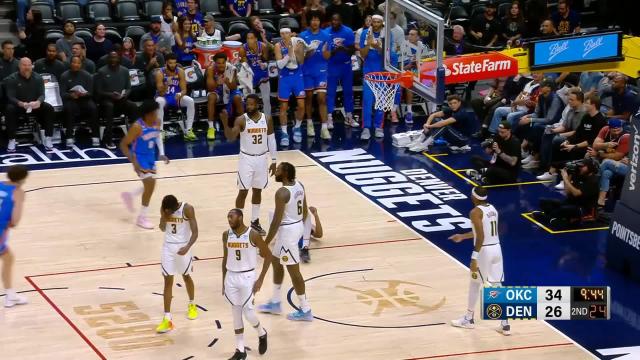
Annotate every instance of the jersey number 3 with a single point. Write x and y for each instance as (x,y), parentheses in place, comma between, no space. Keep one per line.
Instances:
(257,139)
(174,229)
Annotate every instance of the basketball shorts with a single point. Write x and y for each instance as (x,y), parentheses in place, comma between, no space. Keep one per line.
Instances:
(490,269)
(3,247)
(174,264)
(291,84)
(259,76)
(171,100)
(253,171)
(147,163)
(227,100)
(286,243)
(238,288)
(316,81)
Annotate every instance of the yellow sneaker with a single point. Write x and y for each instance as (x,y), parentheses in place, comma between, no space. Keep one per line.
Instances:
(165,326)
(211,133)
(192,312)
(190,136)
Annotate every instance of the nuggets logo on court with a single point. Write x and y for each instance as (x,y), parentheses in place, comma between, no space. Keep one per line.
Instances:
(494,311)
(396,295)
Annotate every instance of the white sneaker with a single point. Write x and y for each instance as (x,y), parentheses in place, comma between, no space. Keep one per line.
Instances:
(546,176)
(144,223)
(17,299)
(11,145)
(70,142)
(352,123)
(533,164)
(560,185)
(524,154)
(48,143)
(325,134)
(417,141)
(504,329)
(311,132)
(366,134)
(461,149)
(330,124)
(284,140)
(379,133)
(463,322)
(420,147)
(527,159)
(95,141)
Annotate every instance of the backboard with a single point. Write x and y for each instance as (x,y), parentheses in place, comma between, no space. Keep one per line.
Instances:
(401,54)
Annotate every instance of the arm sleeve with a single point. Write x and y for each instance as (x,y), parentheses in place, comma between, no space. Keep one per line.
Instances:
(283,62)
(271,144)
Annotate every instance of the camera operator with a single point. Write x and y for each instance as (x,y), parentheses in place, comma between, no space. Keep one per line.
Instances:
(505,158)
(580,179)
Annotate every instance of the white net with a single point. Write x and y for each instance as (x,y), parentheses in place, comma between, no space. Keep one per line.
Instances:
(384,90)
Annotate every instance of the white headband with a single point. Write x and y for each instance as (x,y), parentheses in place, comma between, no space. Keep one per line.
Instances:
(285,30)
(378,17)
(475,195)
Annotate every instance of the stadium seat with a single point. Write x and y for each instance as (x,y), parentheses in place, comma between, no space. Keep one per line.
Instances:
(127,10)
(503,9)
(210,7)
(152,8)
(269,26)
(53,35)
(84,34)
(265,7)
(99,11)
(457,15)
(113,34)
(70,11)
(237,27)
(46,10)
(220,27)
(477,9)
(289,22)
(135,32)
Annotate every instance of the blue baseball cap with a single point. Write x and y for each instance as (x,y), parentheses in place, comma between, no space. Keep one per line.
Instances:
(615,123)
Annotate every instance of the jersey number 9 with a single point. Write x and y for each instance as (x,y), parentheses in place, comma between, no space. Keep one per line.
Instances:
(238,255)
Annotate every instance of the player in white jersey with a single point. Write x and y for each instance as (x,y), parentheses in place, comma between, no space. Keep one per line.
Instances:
(287,228)
(486,259)
(178,221)
(257,142)
(240,245)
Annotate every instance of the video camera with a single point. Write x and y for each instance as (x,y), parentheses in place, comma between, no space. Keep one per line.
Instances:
(573,167)
(487,143)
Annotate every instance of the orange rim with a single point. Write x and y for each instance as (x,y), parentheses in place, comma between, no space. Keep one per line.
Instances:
(405,79)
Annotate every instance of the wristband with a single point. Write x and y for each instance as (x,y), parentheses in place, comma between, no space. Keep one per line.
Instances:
(474,255)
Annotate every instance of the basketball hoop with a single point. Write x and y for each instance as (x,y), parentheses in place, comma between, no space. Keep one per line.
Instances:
(385,84)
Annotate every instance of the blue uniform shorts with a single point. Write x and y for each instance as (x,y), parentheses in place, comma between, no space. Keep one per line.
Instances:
(291,84)
(316,81)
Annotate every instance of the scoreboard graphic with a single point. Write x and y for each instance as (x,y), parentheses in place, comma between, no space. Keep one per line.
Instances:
(546,303)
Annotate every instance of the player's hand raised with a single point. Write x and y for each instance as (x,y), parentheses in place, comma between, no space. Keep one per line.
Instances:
(272,169)
(456,238)
(164,158)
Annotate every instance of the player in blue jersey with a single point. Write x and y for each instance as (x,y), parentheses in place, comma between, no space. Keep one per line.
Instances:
(139,146)
(256,54)
(371,49)
(11,204)
(342,41)
(289,54)
(221,78)
(315,72)
(171,90)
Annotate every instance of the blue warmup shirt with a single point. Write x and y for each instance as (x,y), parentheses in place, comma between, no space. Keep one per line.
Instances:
(343,36)
(316,62)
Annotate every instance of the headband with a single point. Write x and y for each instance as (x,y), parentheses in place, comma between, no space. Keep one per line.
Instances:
(285,30)
(475,195)
(378,17)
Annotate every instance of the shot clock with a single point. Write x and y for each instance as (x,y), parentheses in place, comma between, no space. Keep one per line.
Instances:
(546,303)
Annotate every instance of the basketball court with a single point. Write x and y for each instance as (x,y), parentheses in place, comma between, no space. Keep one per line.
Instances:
(378,290)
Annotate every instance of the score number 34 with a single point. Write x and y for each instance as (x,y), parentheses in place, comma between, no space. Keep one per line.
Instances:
(128,337)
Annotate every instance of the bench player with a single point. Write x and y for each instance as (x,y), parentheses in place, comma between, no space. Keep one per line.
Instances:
(287,227)
(222,84)
(240,245)
(139,147)
(178,221)
(486,259)
(257,141)
(11,204)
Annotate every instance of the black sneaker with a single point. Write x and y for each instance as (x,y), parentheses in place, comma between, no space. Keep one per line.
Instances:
(262,344)
(255,225)
(238,355)
(304,255)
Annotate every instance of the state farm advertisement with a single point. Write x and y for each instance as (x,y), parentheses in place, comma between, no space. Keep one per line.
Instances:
(464,68)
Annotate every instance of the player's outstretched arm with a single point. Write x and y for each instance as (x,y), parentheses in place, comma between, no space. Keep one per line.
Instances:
(190,214)
(18,205)
(317,232)
(160,85)
(127,140)
(225,236)
(282,197)
(265,253)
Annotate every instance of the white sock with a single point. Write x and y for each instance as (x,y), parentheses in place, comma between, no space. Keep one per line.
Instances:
(409,110)
(305,243)
(504,322)
(255,212)
(137,191)
(283,128)
(191,302)
(474,293)
(276,293)
(10,293)
(330,117)
(240,342)
(167,315)
(298,123)
(144,210)
(210,124)
(304,304)
(349,115)
(325,125)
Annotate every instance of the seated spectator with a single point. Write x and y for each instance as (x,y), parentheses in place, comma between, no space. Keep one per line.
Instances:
(99,45)
(161,40)
(581,187)
(504,164)
(485,28)
(240,8)
(113,87)
(548,111)
(365,25)
(290,7)
(362,10)
(565,20)
(589,82)
(457,44)
(258,30)
(78,102)
(64,44)
(78,49)
(575,147)
(171,91)
(124,61)
(193,13)
(169,23)
(311,6)
(339,7)
(510,91)
(8,63)
(612,142)
(185,42)
(513,25)
(148,60)
(452,123)
(31,37)
(411,53)
(556,134)
(610,169)
(622,100)
(547,29)
(50,64)
(523,104)
(483,105)
(128,49)
(25,94)
(210,31)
